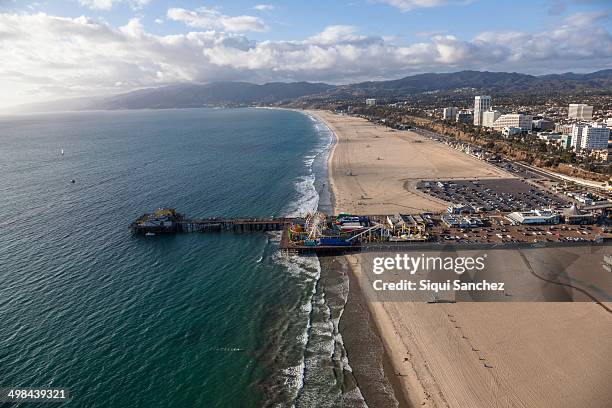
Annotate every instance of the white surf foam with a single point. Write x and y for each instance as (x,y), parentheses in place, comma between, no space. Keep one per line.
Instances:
(308,272)
(307,196)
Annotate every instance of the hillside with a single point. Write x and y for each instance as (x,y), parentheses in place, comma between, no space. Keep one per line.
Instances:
(244,93)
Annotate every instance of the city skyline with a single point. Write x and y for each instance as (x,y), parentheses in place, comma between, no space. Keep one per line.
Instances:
(78,48)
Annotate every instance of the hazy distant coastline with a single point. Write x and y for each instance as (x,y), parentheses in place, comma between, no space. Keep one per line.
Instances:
(232,94)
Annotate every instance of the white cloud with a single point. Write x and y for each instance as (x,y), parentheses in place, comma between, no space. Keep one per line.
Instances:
(210,19)
(99,4)
(47,57)
(407,5)
(109,4)
(337,34)
(159,21)
(564,44)
(263,7)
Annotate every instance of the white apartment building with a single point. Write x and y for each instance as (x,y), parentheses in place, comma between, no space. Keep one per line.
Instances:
(513,120)
(580,111)
(577,129)
(595,137)
(489,117)
(481,103)
(370,102)
(590,137)
(450,113)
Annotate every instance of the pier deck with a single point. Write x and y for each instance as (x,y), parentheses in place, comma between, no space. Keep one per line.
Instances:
(234,224)
(496,234)
(177,224)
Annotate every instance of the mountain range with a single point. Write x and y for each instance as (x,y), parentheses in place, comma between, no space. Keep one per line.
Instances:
(244,93)
(506,82)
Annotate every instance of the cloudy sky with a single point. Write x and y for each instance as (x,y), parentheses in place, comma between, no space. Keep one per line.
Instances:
(68,48)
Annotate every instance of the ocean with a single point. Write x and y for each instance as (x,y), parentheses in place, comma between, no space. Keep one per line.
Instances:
(190,320)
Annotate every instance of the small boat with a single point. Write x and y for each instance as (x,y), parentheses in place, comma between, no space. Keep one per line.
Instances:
(150,234)
(73,181)
(62,152)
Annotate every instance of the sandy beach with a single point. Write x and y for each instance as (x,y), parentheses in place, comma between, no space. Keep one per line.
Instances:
(463,354)
(374,169)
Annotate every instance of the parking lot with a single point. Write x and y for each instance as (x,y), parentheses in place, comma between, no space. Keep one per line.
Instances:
(489,195)
(500,231)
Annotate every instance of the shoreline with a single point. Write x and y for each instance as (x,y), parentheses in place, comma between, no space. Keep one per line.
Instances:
(464,354)
(362,357)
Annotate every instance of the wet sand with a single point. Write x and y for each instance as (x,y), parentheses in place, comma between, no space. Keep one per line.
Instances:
(466,354)
(368,360)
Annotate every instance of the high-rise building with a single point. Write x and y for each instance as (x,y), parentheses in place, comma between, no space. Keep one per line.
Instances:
(450,113)
(514,120)
(481,103)
(580,111)
(595,137)
(489,117)
(577,129)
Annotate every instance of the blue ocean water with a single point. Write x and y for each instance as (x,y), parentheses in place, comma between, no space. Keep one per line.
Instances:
(192,320)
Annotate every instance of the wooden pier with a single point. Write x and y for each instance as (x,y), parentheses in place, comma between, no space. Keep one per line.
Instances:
(168,221)
(233,224)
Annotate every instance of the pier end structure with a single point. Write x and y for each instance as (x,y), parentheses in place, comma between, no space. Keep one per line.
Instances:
(162,220)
